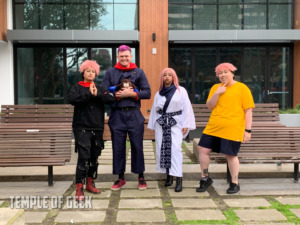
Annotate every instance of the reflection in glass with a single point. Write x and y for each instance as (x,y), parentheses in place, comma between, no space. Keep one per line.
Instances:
(280,17)
(255,17)
(180,61)
(125,17)
(180,17)
(51,16)
(254,68)
(71,14)
(103,19)
(76,17)
(103,56)
(230,17)
(205,76)
(205,17)
(28,77)
(52,76)
(279,82)
(26,16)
(75,56)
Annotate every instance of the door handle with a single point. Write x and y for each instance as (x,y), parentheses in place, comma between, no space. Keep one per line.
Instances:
(276,92)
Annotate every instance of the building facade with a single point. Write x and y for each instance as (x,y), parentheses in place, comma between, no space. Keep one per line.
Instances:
(43,43)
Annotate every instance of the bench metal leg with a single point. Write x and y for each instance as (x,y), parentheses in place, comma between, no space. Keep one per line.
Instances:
(296,172)
(50,175)
(228,175)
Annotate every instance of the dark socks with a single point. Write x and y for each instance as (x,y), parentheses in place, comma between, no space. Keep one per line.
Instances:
(141,175)
(122,176)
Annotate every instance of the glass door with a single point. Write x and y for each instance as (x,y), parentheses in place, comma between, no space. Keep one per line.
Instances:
(278,82)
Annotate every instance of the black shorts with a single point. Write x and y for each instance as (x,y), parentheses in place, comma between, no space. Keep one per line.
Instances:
(220,145)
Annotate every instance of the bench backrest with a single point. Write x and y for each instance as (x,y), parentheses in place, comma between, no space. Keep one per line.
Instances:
(262,113)
(37,113)
(29,144)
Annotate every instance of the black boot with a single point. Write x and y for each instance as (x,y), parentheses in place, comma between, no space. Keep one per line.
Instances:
(169,181)
(178,187)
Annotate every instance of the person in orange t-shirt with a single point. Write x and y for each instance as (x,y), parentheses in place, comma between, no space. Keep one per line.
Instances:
(229,124)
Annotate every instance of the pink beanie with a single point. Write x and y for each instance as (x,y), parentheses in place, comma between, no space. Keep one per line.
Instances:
(223,66)
(89,63)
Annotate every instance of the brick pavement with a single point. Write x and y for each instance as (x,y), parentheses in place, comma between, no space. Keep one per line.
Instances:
(258,202)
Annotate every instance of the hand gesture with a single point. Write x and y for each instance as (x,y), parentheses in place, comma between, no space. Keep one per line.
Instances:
(93,89)
(221,89)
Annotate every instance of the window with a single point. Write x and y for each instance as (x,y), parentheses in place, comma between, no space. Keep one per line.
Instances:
(73,14)
(230,14)
(45,75)
(266,70)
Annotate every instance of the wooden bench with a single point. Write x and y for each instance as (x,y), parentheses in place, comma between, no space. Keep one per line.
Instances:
(40,135)
(36,135)
(264,114)
(271,141)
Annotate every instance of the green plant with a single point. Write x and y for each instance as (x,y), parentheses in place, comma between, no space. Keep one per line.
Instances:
(295,110)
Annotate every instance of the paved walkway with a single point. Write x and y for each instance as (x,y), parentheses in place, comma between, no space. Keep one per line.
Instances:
(260,201)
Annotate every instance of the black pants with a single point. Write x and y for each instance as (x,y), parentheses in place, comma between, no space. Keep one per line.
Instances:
(89,145)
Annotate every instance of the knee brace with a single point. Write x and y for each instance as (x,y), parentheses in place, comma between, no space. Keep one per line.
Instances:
(94,169)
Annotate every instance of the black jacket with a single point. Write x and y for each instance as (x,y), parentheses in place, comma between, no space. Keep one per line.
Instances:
(89,109)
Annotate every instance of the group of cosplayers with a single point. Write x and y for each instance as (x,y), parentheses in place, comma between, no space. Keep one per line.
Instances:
(172,117)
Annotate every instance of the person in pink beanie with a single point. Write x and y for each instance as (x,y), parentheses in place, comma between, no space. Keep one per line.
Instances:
(229,124)
(88,125)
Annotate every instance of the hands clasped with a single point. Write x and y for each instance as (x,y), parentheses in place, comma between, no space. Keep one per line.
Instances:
(93,89)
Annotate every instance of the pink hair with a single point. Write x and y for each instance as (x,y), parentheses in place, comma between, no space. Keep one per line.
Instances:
(224,66)
(89,64)
(174,76)
(124,48)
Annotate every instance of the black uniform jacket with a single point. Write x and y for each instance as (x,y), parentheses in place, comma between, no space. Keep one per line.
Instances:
(89,109)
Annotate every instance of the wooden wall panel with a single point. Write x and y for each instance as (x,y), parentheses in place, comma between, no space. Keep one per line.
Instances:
(3,20)
(296,97)
(153,18)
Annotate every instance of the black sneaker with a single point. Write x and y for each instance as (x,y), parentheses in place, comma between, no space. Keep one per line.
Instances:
(204,184)
(233,188)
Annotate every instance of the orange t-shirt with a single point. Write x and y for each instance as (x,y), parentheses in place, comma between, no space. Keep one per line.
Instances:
(227,119)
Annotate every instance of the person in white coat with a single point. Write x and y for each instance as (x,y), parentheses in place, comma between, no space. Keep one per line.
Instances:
(172,118)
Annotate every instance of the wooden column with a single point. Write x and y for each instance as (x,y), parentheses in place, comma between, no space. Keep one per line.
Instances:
(153,20)
(296,84)
(3,20)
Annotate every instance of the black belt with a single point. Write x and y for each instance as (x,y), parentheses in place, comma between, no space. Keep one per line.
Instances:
(126,108)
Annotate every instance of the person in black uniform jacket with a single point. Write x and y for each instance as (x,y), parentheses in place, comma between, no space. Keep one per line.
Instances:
(88,125)
(126,117)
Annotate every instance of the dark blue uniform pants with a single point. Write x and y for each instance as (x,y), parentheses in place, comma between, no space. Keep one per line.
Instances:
(121,123)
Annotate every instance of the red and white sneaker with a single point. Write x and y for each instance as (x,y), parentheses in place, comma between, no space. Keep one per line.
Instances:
(142,184)
(118,184)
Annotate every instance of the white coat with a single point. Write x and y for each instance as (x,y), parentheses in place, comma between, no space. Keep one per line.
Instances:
(179,101)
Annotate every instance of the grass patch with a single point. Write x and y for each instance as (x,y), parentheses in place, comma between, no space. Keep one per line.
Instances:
(285,210)
(5,204)
(295,110)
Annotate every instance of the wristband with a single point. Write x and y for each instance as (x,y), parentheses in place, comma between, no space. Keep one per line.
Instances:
(248,131)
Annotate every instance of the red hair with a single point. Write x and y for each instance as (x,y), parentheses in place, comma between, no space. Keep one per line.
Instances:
(174,76)
(89,64)
(224,66)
